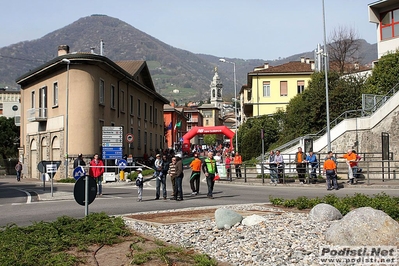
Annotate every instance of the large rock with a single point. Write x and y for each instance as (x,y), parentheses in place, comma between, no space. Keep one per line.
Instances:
(324,212)
(226,218)
(253,220)
(362,227)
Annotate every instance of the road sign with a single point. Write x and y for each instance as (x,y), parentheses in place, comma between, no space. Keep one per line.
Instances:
(78,172)
(122,164)
(51,168)
(112,135)
(42,166)
(129,137)
(112,152)
(112,142)
(79,190)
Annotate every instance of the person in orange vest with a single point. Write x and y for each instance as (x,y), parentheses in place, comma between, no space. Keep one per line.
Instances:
(195,175)
(330,168)
(300,157)
(351,161)
(237,164)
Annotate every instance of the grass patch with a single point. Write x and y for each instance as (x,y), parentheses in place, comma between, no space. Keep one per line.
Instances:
(380,201)
(46,243)
(67,180)
(69,241)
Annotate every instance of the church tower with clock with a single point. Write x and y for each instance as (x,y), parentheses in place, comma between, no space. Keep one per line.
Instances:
(216,90)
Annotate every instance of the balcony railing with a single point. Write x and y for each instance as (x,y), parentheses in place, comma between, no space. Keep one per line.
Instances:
(37,114)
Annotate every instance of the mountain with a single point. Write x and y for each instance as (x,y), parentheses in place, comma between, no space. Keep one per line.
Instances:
(171,68)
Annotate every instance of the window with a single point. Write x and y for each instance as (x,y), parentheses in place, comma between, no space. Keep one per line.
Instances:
(283,88)
(150,113)
(131,105)
(122,101)
(43,102)
(132,132)
(189,117)
(266,88)
(112,96)
(207,114)
(300,86)
(390,24)
(55,94)
(206,122)
(150,141)
(101,92)
(249,95)
(138,108)
(145,111)
(32,100)
(145,141)
(156,140)
(156,117)
(1,108)
(138,139)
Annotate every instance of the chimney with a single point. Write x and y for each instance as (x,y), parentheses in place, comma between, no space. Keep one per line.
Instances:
(266,65)
(92,50)
(307,60)
(172,104)
(302,59)
(356,65)
(63,50)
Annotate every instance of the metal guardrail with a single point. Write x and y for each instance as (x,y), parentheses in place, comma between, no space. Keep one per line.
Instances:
(371,170)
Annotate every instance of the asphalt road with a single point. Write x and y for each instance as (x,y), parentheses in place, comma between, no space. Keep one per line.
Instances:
(25,202)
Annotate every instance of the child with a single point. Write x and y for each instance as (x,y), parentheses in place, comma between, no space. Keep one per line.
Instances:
(139,184)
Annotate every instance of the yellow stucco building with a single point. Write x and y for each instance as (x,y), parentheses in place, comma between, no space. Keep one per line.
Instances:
(270,88)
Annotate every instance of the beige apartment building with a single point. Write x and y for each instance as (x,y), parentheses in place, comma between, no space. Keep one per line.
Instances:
(66,102)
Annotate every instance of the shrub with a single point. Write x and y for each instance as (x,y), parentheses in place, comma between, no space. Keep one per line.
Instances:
(276,201)
(302,203)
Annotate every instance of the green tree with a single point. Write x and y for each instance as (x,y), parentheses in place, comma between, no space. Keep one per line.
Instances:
(9,138)
(385,74)
(210,139)
(249,136)
(306,113)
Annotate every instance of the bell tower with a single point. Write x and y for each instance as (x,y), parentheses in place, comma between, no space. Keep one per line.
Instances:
(216,90)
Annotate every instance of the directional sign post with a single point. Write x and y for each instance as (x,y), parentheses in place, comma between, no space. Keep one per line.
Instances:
(112,142)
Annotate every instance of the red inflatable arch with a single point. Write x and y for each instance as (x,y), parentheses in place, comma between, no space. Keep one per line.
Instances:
(206,130)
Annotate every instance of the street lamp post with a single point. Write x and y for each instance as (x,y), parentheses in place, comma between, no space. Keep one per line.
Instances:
(235,99)
(66,117)
(326,80)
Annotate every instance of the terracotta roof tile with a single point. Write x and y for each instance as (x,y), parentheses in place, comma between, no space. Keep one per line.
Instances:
(131,66)
(290,67)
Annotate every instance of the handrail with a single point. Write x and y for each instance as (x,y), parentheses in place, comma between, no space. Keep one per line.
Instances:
(343,116)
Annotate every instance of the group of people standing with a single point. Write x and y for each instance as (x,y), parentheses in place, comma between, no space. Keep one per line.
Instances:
(174,169)
(304,162)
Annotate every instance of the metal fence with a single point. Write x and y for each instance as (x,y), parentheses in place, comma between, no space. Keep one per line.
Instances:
(370,168)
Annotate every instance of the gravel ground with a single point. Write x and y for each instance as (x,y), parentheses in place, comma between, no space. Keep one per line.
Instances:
(286,238)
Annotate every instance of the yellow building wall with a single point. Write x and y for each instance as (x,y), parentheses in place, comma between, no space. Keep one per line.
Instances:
(271,104)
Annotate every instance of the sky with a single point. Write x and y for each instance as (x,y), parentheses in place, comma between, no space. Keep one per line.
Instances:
(245,29)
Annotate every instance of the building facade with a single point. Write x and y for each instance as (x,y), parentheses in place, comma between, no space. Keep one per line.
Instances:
(270,88)
(67,101)
(10,104)
(385,14)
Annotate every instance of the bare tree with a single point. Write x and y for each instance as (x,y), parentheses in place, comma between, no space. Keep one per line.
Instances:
(343,49)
